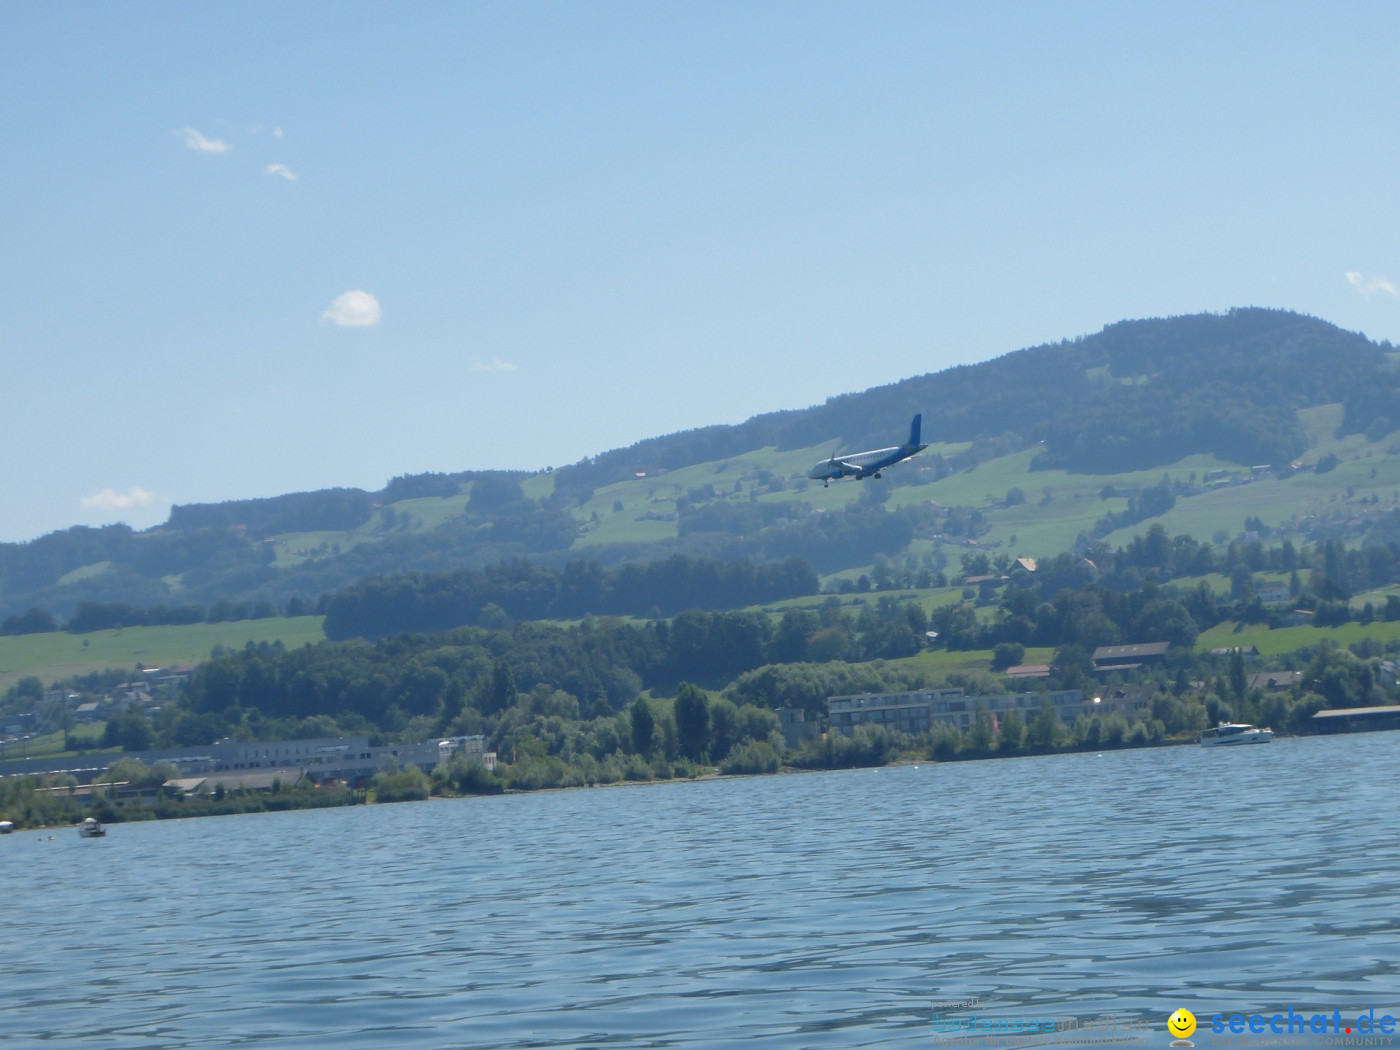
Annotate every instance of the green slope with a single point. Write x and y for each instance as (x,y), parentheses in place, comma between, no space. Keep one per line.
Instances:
(58,655)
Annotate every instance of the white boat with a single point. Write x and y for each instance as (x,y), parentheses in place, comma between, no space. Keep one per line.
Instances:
(6,826)
(91,828)
(1227,734)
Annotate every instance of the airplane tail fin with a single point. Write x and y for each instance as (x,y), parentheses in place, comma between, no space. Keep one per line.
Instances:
(914,428)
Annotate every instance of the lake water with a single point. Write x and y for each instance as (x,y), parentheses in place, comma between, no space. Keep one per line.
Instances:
(812,910)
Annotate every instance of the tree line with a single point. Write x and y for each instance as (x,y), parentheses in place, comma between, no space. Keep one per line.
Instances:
(519,590)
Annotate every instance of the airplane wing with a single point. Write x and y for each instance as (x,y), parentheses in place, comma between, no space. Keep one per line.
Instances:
(851,467)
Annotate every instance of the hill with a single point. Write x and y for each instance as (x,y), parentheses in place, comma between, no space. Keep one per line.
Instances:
(1251,421)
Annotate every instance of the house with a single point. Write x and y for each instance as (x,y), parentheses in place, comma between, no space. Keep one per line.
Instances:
(1274,680)
(795,726)
(1028,671)
(1108,658)
(1131,701)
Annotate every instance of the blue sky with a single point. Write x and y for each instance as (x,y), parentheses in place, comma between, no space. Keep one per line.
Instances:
(247,249)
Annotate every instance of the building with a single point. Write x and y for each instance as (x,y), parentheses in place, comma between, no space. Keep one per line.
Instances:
(1272,680)
(324,758)
(917,712)
(469,746)
(1130,701)
(1021,671)
(905,712)
(1357,719)
(1109,658)
(796,726)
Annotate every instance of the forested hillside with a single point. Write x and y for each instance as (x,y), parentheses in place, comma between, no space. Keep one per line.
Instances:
(1033,453)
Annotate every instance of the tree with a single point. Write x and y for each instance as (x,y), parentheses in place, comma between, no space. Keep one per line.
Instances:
(29,688)
(692,721)
(1334,574)
(1238,682)
(981,735)
(454,699)
(1007,654)
(643,727)
(130,731)
(1044,729)
(502,691)
(726,729)
(35,621)
(1013,731)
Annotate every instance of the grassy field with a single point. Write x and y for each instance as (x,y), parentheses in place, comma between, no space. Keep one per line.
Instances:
(58,654)
(1287,639)
(943,662)
(88,736)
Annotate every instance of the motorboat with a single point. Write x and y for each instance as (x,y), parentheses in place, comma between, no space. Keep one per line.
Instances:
(1231,733)
(91,828)
(6,826)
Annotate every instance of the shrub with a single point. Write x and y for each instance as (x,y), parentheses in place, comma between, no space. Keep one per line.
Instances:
(409,784)
(756,757)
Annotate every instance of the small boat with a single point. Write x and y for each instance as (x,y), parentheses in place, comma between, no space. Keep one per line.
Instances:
(91,828)
(1230,733)
(6,826)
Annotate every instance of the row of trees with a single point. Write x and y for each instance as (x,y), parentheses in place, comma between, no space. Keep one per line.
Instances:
(101,616)
(601,663)
(520,590)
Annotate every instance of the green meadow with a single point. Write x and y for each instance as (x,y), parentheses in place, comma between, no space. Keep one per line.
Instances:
(58,654)
(1287,639)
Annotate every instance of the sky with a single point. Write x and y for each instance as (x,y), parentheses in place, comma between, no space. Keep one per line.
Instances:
(255,248)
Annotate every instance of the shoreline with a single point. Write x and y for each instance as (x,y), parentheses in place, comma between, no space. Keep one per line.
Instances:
(311,799)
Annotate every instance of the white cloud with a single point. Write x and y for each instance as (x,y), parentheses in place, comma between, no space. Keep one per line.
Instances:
(111,499)
(1369,286)
(277,133)
(495,365)
(197,142)
(282,169)
(356,309)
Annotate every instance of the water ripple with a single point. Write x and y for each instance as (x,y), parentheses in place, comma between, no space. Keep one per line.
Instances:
(775,911)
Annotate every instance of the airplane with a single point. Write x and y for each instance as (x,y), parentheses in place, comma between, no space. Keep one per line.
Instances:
(862,465)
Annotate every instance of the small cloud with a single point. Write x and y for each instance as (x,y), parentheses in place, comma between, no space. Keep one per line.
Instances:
(277,133)
(1369,286)
(495,366)
(282,169)
(111,499)
(354,309)
(197,142)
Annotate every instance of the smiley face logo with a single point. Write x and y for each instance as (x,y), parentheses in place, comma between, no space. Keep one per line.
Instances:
(1182,1023)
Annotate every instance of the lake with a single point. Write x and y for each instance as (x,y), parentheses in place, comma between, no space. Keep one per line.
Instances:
(806,910)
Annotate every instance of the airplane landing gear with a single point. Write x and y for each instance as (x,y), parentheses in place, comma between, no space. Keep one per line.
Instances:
(876,475)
